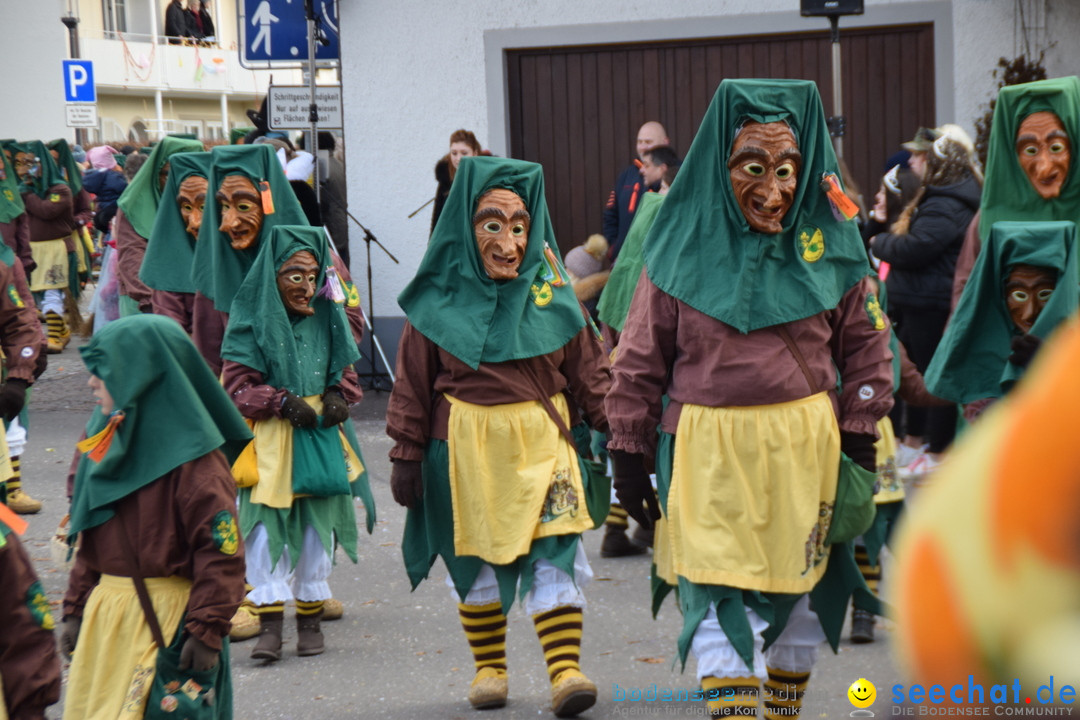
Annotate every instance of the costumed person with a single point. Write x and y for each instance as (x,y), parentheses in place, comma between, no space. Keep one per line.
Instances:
(749,313)
(14,221)
(462,144)
(1023,285)
(288,354)
(107,182)
(166,266)
(987,574)
(160,564)
(82,210)
(136,212)
(494,343)
(1028,163)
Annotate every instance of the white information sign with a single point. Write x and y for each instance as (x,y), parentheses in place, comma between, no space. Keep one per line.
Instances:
(287,107)
(81,115)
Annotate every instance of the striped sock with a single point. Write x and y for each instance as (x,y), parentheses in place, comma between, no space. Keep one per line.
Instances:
(270,609)
(617,517)
(731,696)
(784,693)
(559,631)
(55,324)
(309,608)
(485,629)
(15,481)
(870,573)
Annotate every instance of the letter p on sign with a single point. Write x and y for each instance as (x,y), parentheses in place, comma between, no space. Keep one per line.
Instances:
(79,81)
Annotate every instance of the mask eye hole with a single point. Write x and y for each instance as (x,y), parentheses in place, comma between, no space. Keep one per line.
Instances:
(518,230)
(785,171)
(755,169)
(1045,294)
(493,226)
(1058,147)
(244,207)
(1031,151)
(296,278)
(1019,296)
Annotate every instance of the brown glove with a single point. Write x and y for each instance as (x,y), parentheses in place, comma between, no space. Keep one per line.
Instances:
(69,635)
(407,482)
(298,412)
(334,408)
(633,487)
(197,655)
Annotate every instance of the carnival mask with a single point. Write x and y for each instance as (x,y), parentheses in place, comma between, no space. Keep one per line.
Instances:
(296,282)
(241,211)
(764,169)
(191,198)
(27,166)
(501,224)
(1027,290)
(1042,148)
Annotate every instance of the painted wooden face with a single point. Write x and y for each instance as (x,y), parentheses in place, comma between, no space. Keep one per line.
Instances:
(191,199)
(296,282)
(1043,150)
(27,166)
(501,224)
(241,211)
(764,169)
(1027,290)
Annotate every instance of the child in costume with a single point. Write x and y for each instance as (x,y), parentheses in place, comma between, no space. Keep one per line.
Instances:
(483,458)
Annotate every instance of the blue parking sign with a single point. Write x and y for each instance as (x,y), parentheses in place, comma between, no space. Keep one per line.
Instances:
(79,81)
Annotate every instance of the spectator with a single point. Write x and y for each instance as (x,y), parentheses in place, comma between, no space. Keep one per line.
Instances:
(106,181)
(334,199)
(209,34)
(176,23)
(624,198)
(462,144)
(194,20)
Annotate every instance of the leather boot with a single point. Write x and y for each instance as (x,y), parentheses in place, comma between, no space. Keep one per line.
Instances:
(269,645)
(309,638)
(862,626)
(616,543)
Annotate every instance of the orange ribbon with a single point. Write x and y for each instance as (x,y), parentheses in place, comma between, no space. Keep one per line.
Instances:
(98,445)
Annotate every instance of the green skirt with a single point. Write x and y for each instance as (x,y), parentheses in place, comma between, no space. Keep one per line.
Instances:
(334,519)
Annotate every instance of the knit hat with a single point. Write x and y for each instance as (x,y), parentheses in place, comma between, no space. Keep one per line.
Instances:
(102,157)
(79,154)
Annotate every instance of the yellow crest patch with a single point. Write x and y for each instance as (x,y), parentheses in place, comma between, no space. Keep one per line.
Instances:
(13,294)
(226,535)
(541,294)
(8,194)
(352,295)
(873,311)
(38,605)
(55,197)
(811,243)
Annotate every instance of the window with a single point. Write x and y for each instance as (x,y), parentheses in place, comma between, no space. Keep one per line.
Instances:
(114,16)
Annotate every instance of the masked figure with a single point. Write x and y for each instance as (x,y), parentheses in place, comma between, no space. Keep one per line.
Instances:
(494,344)
(14,221)
(82,208)
(750,311)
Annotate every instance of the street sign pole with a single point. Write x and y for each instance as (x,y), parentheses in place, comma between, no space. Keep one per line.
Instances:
(313,108)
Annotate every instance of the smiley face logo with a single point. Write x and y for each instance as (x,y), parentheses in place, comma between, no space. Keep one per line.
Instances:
(862,693)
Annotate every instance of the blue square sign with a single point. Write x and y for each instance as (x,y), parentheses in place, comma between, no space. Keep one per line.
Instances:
(274,33)
(79,81)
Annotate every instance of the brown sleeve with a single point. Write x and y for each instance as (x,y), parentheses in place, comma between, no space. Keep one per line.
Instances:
(22,243)
(912,387)
(81,580)
(172,305)
(207,330)
(966,260)
(354,312)
(130,249)
(20,329)
(48,209)
(83,208)
(349,385)
(249,392)
(29,665)
(408,413)
(208,508)
(588,376)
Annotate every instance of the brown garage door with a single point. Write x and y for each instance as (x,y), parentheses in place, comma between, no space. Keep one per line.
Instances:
(576,110)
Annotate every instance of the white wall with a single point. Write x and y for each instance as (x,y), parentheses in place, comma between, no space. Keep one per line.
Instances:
(413,72)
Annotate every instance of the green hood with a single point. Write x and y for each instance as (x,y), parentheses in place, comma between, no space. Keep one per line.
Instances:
(304,355)
(218,269)
(171,250)
(11,202)
(175,411)
(50,173)
(69,169)
(454,303)
(701,249)
(619,291)
(973,354)
(1007,193)
(140,199)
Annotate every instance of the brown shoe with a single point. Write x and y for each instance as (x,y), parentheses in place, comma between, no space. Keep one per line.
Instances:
(617,544)
(22,503)
(309,637)
(332,609)
(489,689)
(245,623)
(862,626)
(572,693)
(269,645)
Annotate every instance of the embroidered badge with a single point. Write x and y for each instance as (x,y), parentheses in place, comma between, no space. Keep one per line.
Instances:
(561,498)
(541,294)
(866,392)
(873,311)
(9,195)
(226,536)
(27,351)
(811,243)
(13,295)
(551,270)
(55,197)
(815,543)
(38,605)
(169,704)
(352,295)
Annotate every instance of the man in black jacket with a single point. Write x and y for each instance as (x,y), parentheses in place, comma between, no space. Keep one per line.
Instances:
(629,187)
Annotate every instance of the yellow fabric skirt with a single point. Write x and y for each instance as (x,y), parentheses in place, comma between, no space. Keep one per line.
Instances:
(114,660)
(3,705)
(52,268)
(514,478)
(892,489)
(752,491)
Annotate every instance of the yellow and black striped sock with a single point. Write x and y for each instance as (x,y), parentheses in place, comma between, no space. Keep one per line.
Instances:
(15,481)
(870,573)
(309,608)
(270,609)
(784,693)
(485,629)
(731,696)
(559,631)
(54,322)
(617,517)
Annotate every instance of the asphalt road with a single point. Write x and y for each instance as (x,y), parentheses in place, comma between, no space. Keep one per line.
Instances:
(399,655)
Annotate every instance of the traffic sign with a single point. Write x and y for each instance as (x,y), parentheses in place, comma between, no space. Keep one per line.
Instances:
(79,81)
(81,115)
(287,107)
(274,33)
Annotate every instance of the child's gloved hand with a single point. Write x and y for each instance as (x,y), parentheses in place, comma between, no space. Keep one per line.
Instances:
(197,655)
(334,409)
(298,412)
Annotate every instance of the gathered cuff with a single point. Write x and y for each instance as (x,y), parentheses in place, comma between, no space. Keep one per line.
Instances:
(633,443)
(407,451)
(860,424)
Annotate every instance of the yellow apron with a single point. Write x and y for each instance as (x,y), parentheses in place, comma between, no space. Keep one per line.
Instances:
(892,488)
(514,478)
(52,268)
(113,664)
(752,491)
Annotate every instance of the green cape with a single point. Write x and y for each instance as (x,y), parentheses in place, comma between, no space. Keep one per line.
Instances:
(175,411)
(218,270)
(701,249)
(171,250)
(454,303)
(974,351)
(50,173)
(1007,193)
(69,169)
(304,355)
(11,202)
(140,198)
(619,290)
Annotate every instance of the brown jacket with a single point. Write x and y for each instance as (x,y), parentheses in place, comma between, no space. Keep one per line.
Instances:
(130,249)
(20,330)
(52,216)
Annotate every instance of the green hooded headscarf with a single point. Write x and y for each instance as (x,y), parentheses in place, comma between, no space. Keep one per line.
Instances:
(175,411)
(701,249)
(619,291)
(218,270)
(1007,192)
(454,303)
(171,250)
(141,197)
(69,169)
(50,173)
(972,360)
(11,202)
(287,349)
